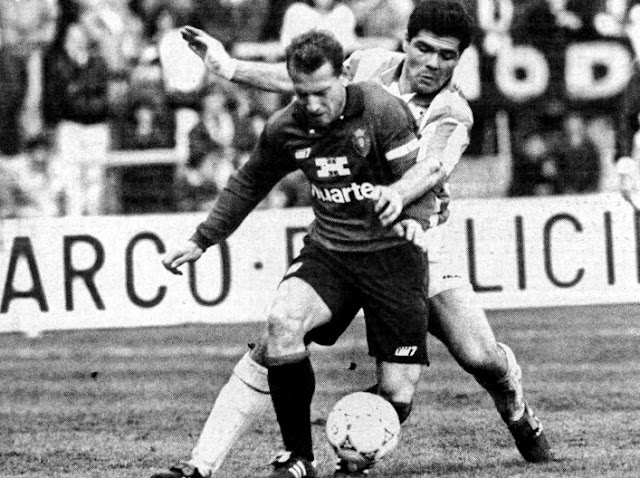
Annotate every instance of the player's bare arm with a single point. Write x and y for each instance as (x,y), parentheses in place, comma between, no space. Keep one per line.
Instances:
(262,75)
(187,252)
(419,179)
(414,183)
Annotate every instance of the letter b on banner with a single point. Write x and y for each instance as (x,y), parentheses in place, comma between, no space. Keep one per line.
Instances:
(597,70)
(522,73)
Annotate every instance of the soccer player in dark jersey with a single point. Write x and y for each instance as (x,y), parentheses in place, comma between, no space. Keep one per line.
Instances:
(437,34)
(357,146)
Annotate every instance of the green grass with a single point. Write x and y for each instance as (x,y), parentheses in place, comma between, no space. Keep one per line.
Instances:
(124,403)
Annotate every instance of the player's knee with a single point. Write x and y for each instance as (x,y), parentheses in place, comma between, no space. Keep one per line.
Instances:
(397,382)
(481,358)
(258,352)
(285,326)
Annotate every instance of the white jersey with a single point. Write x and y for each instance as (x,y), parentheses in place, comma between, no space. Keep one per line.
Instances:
(444,124)
(444,127)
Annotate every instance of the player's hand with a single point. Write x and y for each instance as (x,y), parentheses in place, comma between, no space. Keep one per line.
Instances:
(628,180)
(388,204)
(210,50)
(412,231)
(189,252)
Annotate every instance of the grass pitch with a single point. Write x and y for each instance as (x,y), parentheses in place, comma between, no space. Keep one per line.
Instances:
(125,403)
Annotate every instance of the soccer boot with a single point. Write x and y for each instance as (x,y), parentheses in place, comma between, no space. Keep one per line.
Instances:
(344,469)
(530,438)
(181,470)
(286,465)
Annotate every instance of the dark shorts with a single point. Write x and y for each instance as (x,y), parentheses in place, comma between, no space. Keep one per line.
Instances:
(388,286)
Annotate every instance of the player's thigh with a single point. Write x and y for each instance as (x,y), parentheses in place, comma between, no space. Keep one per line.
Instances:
(394,303)
(328,273)
(313,291)
(398,381)
(297,308)
(461,324)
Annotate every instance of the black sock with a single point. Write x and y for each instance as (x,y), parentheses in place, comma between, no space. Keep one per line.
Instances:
(372,389)
(403,410)
(292,386)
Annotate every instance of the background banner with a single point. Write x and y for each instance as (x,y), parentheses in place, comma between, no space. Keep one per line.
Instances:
(65,273)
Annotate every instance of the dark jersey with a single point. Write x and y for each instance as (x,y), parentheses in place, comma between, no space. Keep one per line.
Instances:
(371,144)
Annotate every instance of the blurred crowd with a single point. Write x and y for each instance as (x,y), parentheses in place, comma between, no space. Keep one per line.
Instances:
(82,78)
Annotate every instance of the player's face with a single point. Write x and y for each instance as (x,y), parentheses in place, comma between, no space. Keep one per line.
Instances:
(429,62)
(321,95)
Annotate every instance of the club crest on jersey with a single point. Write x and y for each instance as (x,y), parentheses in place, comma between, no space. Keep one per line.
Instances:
(361,141)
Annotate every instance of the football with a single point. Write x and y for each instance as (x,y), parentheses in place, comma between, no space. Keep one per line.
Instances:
(362,428)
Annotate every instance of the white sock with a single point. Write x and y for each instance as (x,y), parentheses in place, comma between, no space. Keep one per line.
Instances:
(243,399)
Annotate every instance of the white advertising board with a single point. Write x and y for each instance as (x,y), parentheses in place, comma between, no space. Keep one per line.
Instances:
(66,273)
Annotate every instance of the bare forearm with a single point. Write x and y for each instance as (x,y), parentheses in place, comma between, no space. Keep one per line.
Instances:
(264,76)
(417,180)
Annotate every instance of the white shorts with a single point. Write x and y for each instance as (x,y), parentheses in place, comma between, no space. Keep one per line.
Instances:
(445,273)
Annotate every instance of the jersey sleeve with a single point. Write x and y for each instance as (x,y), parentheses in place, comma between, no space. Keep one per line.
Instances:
(244,191)
(397,134)
(445,131)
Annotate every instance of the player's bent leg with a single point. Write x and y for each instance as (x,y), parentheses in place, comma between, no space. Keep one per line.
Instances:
(463,327)
(240,402)
(397,383)
(297,308)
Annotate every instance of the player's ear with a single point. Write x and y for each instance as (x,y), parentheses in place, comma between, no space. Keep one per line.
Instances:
(344,75)
(405,42)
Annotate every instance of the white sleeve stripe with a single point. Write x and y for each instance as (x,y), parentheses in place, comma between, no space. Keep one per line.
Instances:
(456,145)
(403,150)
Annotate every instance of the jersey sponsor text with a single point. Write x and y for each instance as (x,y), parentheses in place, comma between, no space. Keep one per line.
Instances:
(356,192)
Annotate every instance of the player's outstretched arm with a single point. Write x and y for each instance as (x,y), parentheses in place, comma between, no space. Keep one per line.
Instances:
(188,252)
(418,179)
(261,75)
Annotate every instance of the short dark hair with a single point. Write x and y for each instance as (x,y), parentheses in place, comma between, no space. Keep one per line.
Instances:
(443,18)
(309,51)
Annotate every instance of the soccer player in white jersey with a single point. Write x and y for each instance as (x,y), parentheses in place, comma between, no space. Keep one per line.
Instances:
(437,34)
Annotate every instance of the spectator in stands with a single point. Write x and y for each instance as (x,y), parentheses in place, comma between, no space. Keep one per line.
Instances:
(627,154)
(211,157)
(76,96)
(148,123)
(331,15)
(578,158)
(214,132)
(381,18)
(143,117)
(160,15)
(29,184)
(27,28)
(234,20)
(274,18)
(535,168)
(116,30)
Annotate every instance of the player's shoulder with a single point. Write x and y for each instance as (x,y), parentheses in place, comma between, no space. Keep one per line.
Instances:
(368,64)
(451,102)
(280,121)
(380,103)
(376,96)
